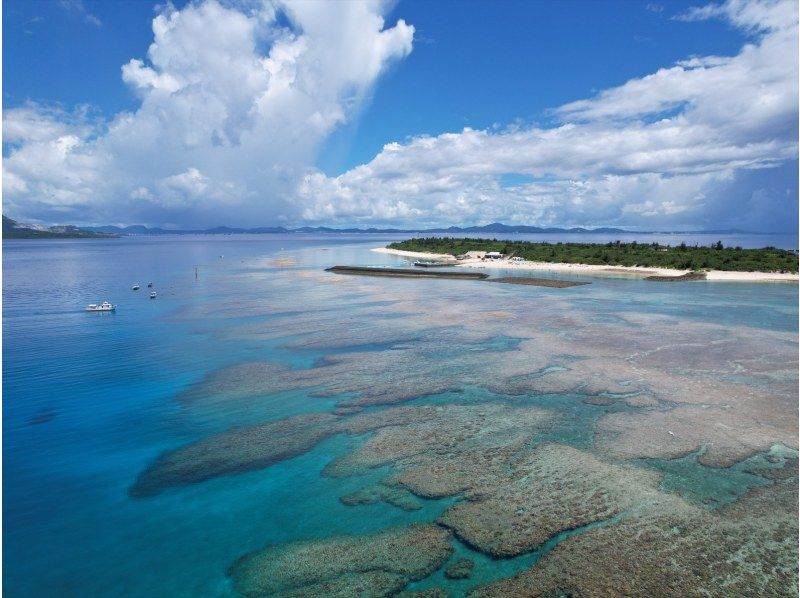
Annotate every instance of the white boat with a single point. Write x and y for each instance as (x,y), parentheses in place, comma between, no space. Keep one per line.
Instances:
(135,287)
(104,306)
(153,295)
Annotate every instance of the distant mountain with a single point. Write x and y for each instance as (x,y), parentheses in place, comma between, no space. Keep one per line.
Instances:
(495,227)
(18,230)
(136,229)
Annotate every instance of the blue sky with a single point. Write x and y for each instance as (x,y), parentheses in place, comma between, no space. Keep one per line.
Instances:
(474,99)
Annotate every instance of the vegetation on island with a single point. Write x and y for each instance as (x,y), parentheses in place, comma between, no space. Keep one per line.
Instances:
(616,253)
(16,230)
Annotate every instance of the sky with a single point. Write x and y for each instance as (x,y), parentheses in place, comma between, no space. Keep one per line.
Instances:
(641,115)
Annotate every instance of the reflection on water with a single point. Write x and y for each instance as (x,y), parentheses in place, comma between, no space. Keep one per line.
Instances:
(603,414)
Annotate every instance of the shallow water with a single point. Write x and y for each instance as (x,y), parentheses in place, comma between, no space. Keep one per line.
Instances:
(90,400)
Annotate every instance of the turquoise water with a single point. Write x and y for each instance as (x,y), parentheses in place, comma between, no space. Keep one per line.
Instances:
(91,399)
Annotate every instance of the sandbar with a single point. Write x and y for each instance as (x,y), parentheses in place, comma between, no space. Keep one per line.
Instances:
(598,270)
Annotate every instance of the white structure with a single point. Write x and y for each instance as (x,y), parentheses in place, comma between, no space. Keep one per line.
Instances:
(494,255)
(104,306)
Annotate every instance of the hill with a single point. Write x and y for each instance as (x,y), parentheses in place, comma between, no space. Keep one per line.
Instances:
(18,230)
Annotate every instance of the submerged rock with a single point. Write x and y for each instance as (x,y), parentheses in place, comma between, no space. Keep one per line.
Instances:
(556,488)
(599,401)
(398,497)
(235,451)
(747,549)
(461,569)
(247,380)
(359,585)
(686,429)
(426,593)
(440,436)
(377,564)
(44,416)
(405,432)
(788,471)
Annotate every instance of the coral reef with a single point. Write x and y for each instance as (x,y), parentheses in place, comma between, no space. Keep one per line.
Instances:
(687,429)
(462,435)
(479,395)
(748,549)
(404,432)
(461,569)
(555,488)
(374,565)
(238,450)
(397,497)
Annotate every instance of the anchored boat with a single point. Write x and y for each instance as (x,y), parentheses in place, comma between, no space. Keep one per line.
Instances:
(135,287)
(104,306)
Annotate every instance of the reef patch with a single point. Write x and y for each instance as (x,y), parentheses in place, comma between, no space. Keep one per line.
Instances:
(554,489)
(377,564)
(747,549)
(235,451)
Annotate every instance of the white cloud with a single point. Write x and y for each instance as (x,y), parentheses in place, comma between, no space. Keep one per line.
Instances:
(656,151)
(36,123)
(749,15)
(77,7)
(227,132)
(143,78)
(233,108)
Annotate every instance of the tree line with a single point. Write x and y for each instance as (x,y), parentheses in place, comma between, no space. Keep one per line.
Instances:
(617,253)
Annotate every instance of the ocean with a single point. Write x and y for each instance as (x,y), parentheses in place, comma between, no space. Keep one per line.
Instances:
(163,449)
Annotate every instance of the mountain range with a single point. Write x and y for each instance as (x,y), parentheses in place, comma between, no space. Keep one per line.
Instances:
(495,227)
(17,230)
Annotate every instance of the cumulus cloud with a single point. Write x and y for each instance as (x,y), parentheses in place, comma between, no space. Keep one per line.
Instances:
(660,150)
(235,105)
(235,102)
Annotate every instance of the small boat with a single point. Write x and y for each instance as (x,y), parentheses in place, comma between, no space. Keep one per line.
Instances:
(149,285)
(104,306)
(135,287)
(153,295)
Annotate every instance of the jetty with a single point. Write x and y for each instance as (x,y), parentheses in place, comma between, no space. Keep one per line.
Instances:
(405,272)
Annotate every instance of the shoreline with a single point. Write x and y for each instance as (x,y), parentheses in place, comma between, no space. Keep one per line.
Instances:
(597,270)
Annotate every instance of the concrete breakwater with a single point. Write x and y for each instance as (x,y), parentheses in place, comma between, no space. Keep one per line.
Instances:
(405,272)
(408,273)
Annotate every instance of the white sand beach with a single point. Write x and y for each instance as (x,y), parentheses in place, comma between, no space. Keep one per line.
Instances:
(595,270)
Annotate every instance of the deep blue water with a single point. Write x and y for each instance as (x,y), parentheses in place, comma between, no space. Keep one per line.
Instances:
(89,401)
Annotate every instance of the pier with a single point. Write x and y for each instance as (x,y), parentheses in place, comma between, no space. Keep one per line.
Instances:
(405,273)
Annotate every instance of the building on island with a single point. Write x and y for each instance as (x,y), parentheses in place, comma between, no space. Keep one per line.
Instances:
(494,255)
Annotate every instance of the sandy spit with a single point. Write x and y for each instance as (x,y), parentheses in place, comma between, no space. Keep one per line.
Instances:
(592,270)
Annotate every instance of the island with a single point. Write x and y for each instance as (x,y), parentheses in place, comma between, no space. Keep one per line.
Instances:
(17,230)
(651,260)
